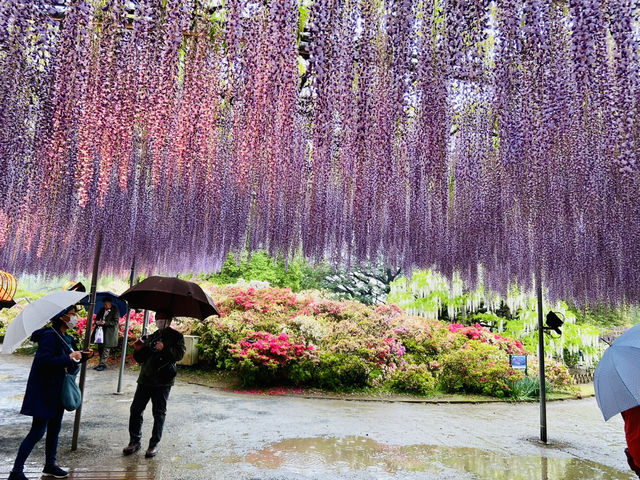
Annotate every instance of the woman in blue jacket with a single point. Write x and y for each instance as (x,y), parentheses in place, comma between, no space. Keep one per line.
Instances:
(56,354)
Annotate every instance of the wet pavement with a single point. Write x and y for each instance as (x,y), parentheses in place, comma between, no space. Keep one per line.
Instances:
(215,434)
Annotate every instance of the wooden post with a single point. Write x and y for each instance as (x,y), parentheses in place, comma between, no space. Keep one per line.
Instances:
(87,336)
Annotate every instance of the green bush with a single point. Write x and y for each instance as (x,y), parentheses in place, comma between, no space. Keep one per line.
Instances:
(302,372)
(216,337)
(528,388)
(478,368)
(416,379)
(339,371)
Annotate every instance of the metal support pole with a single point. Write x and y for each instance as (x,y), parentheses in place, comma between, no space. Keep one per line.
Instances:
(87,336)
(145,322)
(543,392)
(125,340)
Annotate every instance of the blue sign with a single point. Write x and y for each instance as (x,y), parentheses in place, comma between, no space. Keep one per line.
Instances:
(518,362)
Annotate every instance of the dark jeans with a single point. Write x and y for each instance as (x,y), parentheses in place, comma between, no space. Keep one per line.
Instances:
(158,397)
(38,427)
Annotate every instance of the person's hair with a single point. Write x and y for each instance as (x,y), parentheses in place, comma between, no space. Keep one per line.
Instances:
(56,322)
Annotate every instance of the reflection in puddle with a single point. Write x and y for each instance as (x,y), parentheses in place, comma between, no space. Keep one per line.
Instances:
(361,453)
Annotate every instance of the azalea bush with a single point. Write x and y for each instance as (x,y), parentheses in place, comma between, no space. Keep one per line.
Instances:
(416,379)
(263,358)
(478,367)
(273,335)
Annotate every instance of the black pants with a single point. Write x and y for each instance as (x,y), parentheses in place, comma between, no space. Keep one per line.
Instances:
(38,427)
(158,397)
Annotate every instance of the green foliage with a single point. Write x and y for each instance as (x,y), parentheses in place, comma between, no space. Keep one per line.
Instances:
(430,294)
(259,266)
(528,388)
(556,373)
(337,345)
(216,338)
(416,379)
(478,368)
(340,372)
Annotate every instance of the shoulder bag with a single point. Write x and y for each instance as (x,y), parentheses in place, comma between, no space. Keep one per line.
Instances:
(70,396)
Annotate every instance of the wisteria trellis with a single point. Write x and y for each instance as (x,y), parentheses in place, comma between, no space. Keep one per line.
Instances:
(440,133)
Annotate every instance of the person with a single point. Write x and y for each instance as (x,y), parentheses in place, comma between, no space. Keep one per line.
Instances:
(157,354)
(56,354)
(107,318)
(631,419)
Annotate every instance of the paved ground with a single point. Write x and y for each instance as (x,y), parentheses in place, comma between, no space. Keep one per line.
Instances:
(213,434)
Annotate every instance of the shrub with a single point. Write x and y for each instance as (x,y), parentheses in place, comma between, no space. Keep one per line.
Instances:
(263,358)
(555,373)
(483,334)
(478,368)
(216,338)
(338,371)
(528,388)
(416,379)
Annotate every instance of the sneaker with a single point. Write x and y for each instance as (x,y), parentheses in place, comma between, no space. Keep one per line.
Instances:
(17,476)
(101,368)
(54,471)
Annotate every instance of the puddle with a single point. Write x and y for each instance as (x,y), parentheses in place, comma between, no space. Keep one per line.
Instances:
(360,453)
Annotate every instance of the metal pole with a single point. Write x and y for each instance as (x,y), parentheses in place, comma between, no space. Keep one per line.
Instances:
(87,337)
(543,392)
(126,330)
(145,322)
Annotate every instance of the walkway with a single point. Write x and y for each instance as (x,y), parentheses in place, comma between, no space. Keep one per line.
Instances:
(212,434)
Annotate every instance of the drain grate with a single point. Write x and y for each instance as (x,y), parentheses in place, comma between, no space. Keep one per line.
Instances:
(140,473)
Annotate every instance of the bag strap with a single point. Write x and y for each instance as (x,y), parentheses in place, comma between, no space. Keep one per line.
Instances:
(63,340)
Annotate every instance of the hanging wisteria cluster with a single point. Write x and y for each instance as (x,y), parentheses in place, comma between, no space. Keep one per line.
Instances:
(440,133)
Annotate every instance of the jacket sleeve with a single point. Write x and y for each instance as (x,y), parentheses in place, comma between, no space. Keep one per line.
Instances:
(48,353)
(177,348)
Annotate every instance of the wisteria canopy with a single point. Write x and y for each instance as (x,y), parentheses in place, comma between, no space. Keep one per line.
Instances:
(444,133)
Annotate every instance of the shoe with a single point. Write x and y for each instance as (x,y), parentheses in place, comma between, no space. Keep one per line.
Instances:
(17,476)
(101,368)
(131,448)
(151,452)
(54,471)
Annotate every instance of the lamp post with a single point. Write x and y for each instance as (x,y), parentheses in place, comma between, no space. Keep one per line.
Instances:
(543,392)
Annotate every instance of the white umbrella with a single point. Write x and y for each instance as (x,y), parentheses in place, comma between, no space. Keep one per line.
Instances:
(36,315)
(617,379)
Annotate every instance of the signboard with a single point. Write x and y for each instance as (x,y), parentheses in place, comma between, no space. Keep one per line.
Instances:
(518,362)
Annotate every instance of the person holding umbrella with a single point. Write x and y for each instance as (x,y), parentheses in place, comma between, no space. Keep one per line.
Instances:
(108,319)
(157,354)
(56,354)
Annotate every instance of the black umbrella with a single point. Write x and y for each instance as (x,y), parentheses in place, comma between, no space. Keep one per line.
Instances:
(170,295)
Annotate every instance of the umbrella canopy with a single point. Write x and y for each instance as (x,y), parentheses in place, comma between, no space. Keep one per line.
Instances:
(617,376)
(171,295)
(36,315)
(117,302)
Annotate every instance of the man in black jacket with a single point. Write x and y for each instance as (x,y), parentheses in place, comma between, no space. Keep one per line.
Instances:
(157,354)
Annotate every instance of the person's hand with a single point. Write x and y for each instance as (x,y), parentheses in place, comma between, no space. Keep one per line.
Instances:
(100,322)
(159,345)
(75,356)
(137,345)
